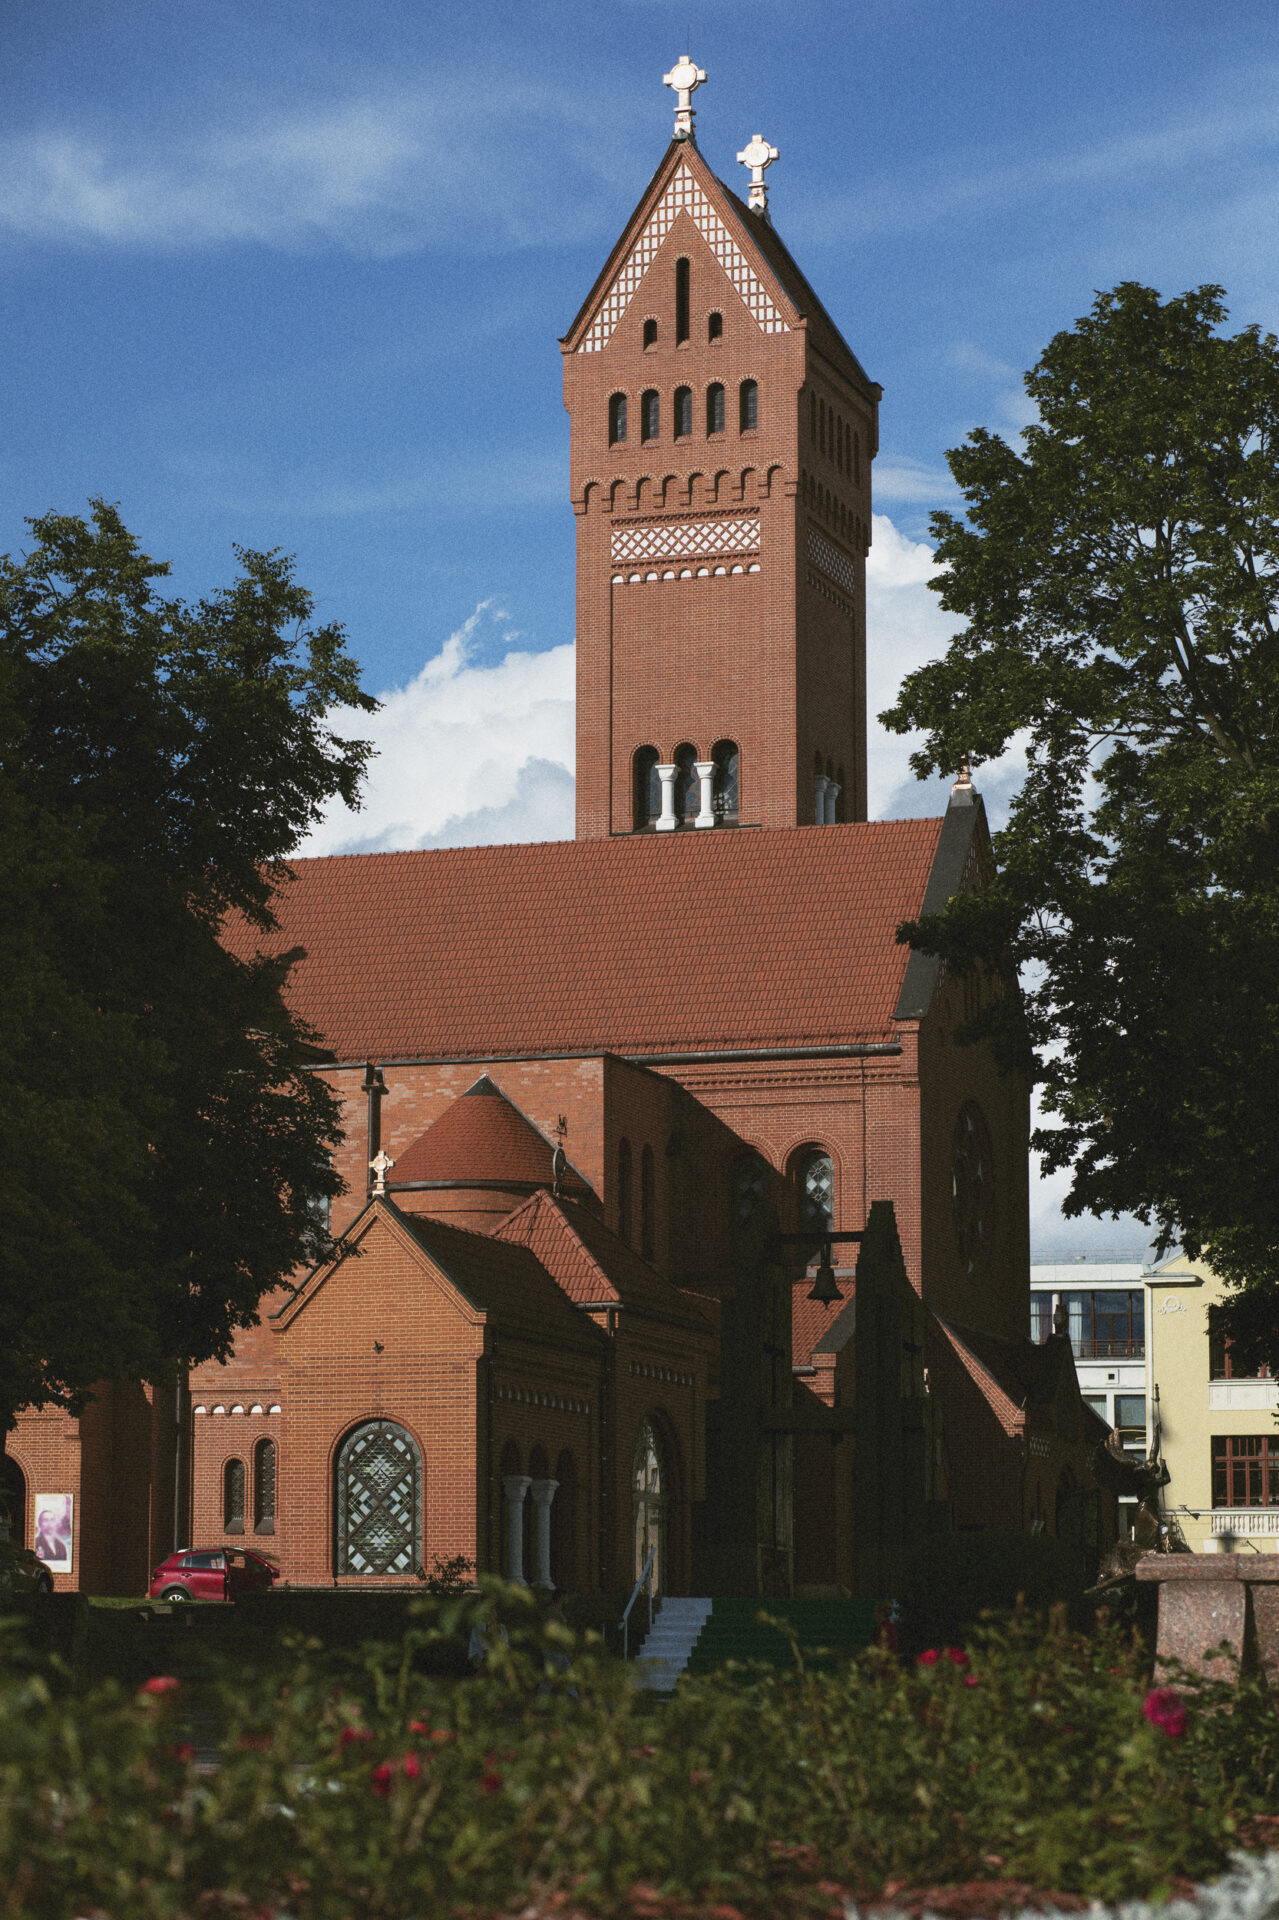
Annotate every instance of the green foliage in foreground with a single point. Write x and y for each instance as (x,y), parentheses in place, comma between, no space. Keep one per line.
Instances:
(357,1786)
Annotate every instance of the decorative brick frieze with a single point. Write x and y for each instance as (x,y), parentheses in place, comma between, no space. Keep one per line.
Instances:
(685,540)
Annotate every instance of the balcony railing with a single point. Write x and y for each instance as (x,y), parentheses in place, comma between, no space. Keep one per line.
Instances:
(1109,1349)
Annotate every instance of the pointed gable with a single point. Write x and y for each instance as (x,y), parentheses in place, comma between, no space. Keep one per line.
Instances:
(482,1138)
(593,1266)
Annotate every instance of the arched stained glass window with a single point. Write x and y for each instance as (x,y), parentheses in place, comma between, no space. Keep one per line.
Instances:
(379,1501)
(715,408)
(617,420)
(683,412)
(264,1487)
(648,1204)
(649,1480)
(748,406)
(688,788)
(647,790)
(817,1194)
(650,415)
(233,1497)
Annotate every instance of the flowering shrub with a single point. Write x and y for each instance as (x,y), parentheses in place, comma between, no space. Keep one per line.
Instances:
(390,1794)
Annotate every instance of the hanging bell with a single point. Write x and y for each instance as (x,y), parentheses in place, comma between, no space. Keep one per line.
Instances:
(824,1287)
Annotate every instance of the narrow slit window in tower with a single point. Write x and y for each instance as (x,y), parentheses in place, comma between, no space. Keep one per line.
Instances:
(715,327)
(715,408)
(681,302)
(748,406)
(648,1203)
(233,1497)
(648,789)
(683,412)
(617,420)
(624,1191)
(724,782)
(688,788)
(650,415)
(650,333)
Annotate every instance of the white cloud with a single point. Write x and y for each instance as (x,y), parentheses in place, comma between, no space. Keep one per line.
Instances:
(906,480)
(466,754)
(422,161)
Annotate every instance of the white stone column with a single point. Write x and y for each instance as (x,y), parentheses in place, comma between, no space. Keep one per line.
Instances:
(706,775)
(833,791)
(819,801)
(543,1492)
(666,822)
(514,1488)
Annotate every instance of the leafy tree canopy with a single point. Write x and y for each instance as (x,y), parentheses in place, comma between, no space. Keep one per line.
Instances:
(1118,580)
(163,1150)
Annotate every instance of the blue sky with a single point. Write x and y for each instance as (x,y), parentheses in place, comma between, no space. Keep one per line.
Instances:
(292,275)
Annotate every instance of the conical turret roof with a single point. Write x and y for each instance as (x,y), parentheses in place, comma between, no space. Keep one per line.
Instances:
(481,1139)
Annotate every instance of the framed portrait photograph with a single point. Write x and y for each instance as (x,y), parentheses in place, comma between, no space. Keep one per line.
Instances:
(54,1531)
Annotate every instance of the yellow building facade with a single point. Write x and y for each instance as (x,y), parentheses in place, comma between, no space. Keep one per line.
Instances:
(1219,1432)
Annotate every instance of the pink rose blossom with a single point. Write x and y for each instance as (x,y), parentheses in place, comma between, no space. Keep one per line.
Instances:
(1165,1709)
(928,1658)
(160,1683)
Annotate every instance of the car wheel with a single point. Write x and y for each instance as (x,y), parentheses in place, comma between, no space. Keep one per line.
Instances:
(174,1593)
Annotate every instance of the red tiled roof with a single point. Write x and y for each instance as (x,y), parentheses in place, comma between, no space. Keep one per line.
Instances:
(648,943)
(507,1282)
(592,1265)
(481,1136)
(991,1370)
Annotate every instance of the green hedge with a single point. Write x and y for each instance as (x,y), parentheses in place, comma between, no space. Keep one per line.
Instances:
(357,1783)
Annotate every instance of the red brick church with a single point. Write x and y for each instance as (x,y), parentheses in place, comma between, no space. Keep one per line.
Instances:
(618,1108)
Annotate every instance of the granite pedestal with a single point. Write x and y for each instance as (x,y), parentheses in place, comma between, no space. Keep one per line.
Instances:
(1205,1598)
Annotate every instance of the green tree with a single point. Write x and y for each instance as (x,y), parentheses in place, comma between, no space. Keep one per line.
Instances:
(1118,580)
(164,1153)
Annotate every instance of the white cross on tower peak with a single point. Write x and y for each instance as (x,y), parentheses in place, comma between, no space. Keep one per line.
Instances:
(685,77)
(757,154)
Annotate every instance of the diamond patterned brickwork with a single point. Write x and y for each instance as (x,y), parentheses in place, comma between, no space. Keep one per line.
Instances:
(686,540)
(683,195)
(831,561)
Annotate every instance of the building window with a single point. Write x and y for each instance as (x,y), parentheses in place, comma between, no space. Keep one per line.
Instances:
(812,417)
(648,1204)
(233,1497)
(821,425)
(647,789)
(857,458)
(688,788)
(624,1190)
(747,1190)
(817,1194)
(681,302)
(1041,1321)
(1130,1421)
(748,406)
(617,420)
(650,415)
(379,1501)
(649,1479)
(264,1487)
(683,412)
(1223,1366)
(715,326)
(1107,1326)
(650,333)
(972,1189)
(724,782)
(564,1523)
(1245,1470)
(715,408)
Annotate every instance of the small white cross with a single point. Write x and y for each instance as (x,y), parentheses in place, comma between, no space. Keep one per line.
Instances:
(685,77)
(381,1165)
(757,154)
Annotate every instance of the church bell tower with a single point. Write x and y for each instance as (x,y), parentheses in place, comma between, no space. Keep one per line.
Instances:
(722,439)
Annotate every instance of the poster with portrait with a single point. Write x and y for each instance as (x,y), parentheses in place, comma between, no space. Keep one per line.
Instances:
(54,1534)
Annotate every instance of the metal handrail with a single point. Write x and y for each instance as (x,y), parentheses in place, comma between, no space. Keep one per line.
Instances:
(645,1580)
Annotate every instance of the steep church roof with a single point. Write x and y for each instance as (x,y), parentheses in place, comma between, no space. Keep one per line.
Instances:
(592,1265)
(481,1138)
(641,944)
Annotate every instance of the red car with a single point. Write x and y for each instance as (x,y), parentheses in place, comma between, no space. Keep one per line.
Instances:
(211,1573)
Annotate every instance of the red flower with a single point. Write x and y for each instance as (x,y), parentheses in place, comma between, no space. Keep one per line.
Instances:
(183,1754)
(490,1782)
(443,1736)
(410,1766)
(349,1736)
(160,1683)
(957,1655)
(381,1777)
(418,1726)
(1165,1709)
(971,1680)
(928,1658)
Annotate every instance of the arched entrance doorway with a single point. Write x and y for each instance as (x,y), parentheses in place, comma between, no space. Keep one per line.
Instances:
(651,1484)
(379,1501)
